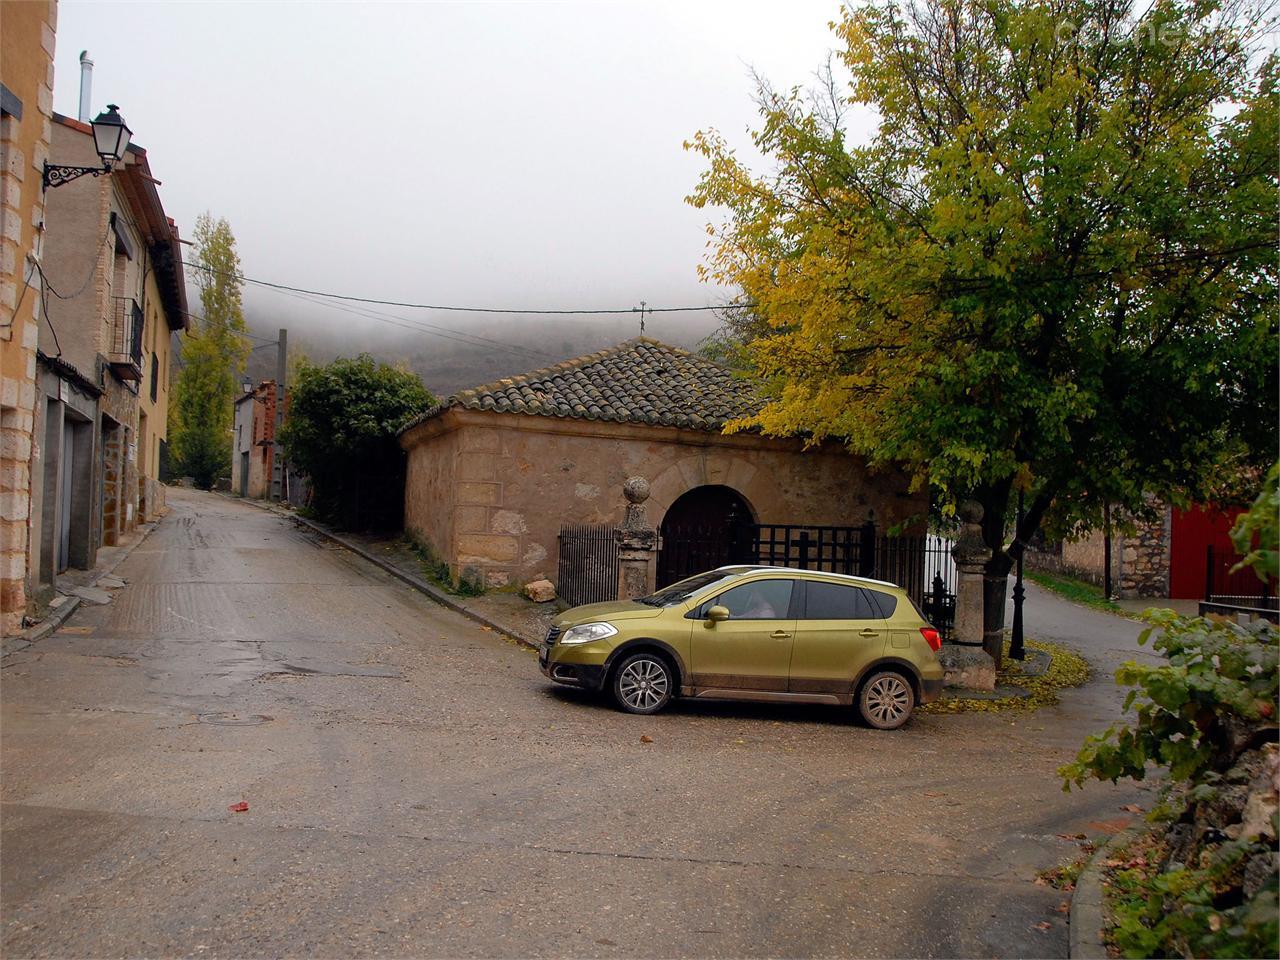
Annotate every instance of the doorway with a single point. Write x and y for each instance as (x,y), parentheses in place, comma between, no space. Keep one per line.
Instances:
(704,528)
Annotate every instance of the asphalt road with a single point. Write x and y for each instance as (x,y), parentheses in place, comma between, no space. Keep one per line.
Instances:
(416,788)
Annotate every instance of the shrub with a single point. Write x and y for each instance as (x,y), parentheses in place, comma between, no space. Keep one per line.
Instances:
(1206,717)
(341,431)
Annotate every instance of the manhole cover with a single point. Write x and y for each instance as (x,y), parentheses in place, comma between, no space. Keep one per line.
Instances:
(234,719)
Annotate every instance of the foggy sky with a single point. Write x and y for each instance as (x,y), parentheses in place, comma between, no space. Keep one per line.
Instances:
(496,154)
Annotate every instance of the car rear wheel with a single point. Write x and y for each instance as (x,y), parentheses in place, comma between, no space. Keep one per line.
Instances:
(886,700)
(643,683)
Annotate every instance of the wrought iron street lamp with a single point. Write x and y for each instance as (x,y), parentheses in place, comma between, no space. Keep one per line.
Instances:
(110,140)
(1016,649)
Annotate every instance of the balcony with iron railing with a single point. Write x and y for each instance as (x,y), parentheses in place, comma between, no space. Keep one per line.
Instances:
(126,339)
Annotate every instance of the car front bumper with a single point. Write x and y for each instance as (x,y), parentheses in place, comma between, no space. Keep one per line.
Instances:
(585,675)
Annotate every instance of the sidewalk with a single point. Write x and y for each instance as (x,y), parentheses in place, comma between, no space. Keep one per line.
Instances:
(510,614)
(72,582)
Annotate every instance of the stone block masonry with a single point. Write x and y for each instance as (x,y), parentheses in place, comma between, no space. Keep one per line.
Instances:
(1145,559)
(27,33)
(490,491)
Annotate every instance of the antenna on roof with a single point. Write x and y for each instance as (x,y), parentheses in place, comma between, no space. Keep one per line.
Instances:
(642,310)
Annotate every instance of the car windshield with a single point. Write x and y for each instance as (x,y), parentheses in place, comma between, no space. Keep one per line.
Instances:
(678,593)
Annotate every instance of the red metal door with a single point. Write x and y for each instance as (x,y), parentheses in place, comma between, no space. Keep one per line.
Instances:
(1192,532)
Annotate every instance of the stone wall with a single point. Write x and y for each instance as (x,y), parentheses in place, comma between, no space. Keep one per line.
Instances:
(154,493)
(434,500)
(1145,558)
(1139,560)
(491,490)
(27,34)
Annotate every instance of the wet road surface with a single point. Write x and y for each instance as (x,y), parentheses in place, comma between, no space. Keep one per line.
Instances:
(416,788)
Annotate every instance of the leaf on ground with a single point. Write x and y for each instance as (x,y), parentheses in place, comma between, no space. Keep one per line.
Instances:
(1043,925)
(1131,808)
(646,739)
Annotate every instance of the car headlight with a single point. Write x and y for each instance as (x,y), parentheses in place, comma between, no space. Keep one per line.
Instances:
(587,632)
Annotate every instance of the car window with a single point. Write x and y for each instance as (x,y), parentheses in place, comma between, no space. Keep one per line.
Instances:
(887,602)
(758,600)
(835,601)
(679,592)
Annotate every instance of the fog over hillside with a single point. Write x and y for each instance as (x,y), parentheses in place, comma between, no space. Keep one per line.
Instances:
(454,352)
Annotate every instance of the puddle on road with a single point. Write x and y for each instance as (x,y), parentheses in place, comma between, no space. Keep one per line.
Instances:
(305,667)
(235,719)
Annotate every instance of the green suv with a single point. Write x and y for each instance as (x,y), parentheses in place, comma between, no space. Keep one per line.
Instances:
(754,633)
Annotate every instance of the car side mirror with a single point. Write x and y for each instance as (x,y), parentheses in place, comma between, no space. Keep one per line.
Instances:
(717,614)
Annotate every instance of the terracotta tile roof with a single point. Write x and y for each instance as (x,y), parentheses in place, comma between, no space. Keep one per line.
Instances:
(639,381)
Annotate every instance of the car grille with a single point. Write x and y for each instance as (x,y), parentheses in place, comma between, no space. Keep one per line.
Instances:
(552,635)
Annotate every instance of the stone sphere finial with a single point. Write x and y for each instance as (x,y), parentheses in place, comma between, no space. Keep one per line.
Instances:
(970,511)
(636,489)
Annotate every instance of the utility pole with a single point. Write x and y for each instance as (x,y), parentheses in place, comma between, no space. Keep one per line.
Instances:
(277,452)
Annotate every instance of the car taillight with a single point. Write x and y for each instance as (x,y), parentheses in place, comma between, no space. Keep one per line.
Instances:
(932,638)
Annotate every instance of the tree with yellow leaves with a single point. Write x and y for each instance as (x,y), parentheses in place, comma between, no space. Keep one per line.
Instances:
(1051,267)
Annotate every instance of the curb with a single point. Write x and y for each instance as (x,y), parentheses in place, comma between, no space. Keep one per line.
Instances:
(1087,920)
(63,613)
(422,586)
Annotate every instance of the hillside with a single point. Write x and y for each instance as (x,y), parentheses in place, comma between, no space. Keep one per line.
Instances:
(475,352)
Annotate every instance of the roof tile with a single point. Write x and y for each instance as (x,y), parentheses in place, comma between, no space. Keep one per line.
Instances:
(639,381)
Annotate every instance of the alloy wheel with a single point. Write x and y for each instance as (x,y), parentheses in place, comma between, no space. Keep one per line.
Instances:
(643,684)
(887,701)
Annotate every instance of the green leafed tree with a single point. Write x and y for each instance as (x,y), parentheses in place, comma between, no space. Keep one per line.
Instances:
(1050,265)
(341,431)
(213,357)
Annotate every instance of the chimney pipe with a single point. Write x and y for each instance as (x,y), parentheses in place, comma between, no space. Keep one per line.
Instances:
(86,87)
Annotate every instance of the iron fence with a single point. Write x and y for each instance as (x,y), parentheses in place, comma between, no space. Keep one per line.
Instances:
(587,568)
(690,548)
(833,549)
(1226,591)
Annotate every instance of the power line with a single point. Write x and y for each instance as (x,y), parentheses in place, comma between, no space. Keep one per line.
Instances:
(416,326)
(422,326)
(457,309)
(93,268)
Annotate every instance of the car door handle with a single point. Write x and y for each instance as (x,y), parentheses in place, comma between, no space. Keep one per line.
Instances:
(869,632)
(780,635)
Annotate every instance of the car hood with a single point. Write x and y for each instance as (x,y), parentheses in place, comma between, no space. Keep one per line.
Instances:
(609,610)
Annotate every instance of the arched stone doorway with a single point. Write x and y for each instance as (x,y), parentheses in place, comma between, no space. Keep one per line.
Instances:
(703,528)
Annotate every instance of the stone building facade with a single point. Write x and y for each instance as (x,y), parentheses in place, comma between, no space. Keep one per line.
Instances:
(493,473)
(26,105)
(114,259)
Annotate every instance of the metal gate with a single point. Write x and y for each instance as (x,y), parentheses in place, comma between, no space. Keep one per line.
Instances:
(833,549)
(692,548)
(587,570)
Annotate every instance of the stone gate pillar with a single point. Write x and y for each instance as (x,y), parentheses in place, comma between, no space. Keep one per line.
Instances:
(966,663)
(637,543)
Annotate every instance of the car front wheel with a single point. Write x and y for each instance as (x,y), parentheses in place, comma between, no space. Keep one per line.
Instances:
(886,700)
(643,683)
